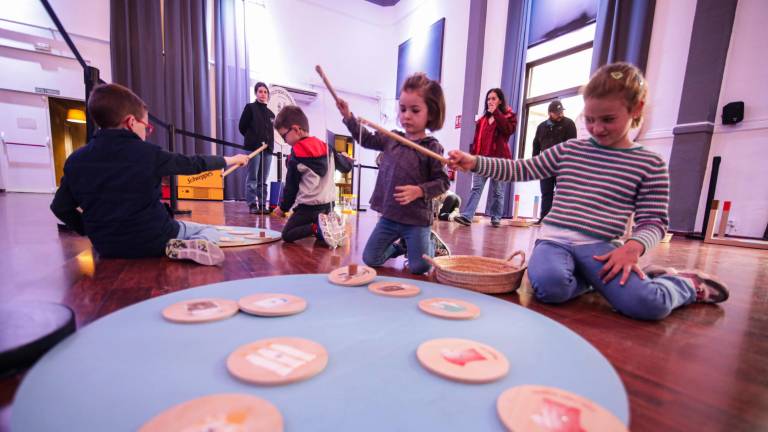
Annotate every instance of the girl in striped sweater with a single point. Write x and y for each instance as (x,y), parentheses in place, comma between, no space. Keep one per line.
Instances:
(600,183)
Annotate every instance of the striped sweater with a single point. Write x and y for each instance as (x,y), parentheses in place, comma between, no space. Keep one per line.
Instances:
(598,188)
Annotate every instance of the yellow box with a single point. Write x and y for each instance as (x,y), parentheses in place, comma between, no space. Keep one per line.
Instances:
(207,179)
(200,193)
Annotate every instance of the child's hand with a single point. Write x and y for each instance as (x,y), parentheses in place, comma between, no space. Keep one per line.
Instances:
(406,194)
(278,212)
(343,107)
(457,159)
(240,159)
(624,260)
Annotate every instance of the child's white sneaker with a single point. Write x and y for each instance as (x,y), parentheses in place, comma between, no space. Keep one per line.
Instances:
(200,251)
(330,229)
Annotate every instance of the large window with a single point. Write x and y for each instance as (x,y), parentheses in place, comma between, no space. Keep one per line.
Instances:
(556,69)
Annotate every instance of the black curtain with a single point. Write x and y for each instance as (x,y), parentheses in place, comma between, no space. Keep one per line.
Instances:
(186,73)
(175,84)
(623,32)
(136,48)
(232,84)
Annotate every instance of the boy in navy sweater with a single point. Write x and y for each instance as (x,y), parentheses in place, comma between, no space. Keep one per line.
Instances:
(110,190)
(309,186)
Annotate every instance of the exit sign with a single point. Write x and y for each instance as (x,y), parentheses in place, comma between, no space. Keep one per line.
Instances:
(457,124)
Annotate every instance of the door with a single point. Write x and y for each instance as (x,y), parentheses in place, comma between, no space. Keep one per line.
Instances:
(26,159)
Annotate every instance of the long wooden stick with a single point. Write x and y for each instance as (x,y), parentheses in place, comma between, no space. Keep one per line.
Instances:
(250,156)
(423,150)
(327,82)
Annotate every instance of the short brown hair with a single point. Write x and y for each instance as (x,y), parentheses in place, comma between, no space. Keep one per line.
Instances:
(433,96)
(619,79)
(110,103)
(291,115)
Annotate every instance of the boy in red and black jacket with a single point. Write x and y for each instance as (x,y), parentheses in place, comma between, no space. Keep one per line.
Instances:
(309,186)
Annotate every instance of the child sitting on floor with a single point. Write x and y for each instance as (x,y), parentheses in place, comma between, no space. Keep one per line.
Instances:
(600,182)
(309,184)
(110,190)
(407,180)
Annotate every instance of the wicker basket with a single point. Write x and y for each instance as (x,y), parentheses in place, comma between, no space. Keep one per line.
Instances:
(481,274)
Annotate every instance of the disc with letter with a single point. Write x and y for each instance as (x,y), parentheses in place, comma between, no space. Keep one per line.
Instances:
(352,275)
(270,304)
(394,289)
(462,360)
(200,310)
(218,412)
(277,361)
(449,308)
(545,409)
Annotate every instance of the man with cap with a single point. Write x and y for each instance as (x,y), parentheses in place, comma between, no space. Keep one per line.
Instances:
(556,129)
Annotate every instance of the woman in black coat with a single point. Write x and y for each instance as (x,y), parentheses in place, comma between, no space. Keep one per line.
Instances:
(257,126)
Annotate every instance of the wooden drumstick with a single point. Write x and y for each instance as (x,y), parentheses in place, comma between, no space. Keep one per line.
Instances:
(405,141)
(250,156)
(320,72)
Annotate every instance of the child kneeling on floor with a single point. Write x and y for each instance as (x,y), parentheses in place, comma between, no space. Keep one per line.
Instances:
(110,190)
(309,185)
(600,183)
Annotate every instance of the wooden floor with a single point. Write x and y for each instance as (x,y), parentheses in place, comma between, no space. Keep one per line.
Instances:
(705,368)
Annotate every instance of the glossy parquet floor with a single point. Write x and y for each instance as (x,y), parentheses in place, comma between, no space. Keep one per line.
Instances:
(704,368)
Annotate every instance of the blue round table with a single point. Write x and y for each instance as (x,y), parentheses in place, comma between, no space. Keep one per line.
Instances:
(123,369)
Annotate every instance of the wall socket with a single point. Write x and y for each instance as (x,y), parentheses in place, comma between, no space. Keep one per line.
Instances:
(731,226)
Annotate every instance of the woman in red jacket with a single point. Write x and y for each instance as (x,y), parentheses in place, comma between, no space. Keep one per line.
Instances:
(492,132)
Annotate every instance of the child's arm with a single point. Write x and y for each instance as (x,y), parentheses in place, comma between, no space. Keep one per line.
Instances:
(292,181)
(539,167)
(64,206)
(167,163)
(651,208)
(369,140)
(437,184)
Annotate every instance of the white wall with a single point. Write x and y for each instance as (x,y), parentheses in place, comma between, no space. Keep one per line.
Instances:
(25,23)
(743,176)
(29,167)
(743,147)
(667,58)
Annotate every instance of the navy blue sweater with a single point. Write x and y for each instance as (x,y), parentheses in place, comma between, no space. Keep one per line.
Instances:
(115,181)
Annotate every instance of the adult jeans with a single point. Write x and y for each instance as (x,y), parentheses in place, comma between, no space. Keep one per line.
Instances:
(256,181)
(497,197)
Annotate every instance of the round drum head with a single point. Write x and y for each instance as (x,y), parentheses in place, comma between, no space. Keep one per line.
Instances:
(538,408)
(200,310)
(462,360)
(449,308)
(277,361)
(220,412)
(394,289)
(269,304)
(352,275)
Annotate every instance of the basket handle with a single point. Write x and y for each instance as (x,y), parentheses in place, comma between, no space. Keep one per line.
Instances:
(517,253)
(431,260)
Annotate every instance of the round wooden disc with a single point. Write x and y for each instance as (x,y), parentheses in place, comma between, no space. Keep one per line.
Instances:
(449,308)
(200,310)
(277,361)
(363,276)
(239,232)
(223,227)
(394,289)
(231,412)
(271,304)
(538,408)
(462,360)
(226,239)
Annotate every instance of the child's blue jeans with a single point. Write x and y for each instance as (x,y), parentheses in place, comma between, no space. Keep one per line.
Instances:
(194,231)
(380,248)
(560,272)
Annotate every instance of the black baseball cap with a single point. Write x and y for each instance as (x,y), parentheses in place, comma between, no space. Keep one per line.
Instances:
(556,106)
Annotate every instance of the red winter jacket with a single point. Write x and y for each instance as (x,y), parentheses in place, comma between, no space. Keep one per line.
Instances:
(492,139)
